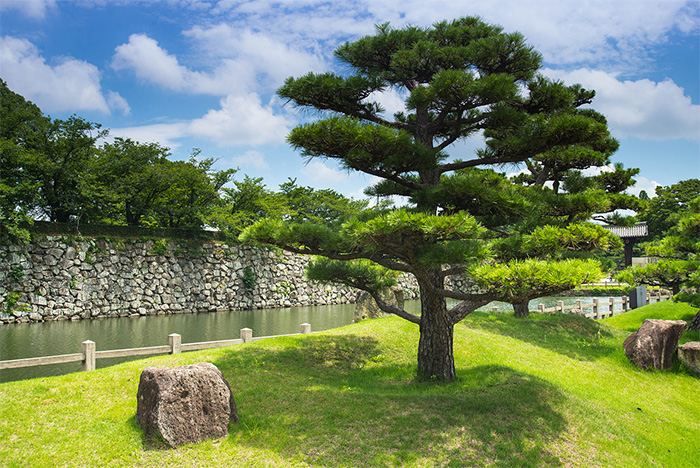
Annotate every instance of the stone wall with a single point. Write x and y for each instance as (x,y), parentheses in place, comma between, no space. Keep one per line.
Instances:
(63,277)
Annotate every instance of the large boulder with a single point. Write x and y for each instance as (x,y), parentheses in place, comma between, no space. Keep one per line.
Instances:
(654,344)
(185,404)
(366,307)
(689,354)
(694,324)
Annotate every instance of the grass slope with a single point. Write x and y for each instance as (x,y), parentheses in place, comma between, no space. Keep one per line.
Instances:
(550,390)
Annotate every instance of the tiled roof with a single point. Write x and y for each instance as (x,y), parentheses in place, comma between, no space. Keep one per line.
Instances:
(638,230)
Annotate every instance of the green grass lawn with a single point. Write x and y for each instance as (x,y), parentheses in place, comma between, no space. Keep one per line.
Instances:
(550,390)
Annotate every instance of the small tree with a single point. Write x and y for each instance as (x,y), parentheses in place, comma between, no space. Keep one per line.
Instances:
(458,79)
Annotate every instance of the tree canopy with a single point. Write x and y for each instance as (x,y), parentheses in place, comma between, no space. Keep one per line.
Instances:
(54,170)
(660,211)
(459,79)
(677,256)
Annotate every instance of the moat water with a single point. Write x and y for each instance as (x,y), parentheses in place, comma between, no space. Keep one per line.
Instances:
(26,340)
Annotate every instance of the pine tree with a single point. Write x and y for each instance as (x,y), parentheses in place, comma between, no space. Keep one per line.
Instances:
(459,79)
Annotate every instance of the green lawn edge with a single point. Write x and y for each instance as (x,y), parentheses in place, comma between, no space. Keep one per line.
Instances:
(550,390)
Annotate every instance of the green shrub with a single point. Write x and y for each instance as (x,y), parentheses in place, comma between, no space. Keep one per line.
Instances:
(250,279)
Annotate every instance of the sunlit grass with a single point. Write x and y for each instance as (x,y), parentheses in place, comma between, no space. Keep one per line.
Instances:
(550,390)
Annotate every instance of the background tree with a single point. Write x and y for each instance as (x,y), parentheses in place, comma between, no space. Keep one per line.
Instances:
(678,256)
(194,194)
(317,205)
(458,79)
(50,156)
(63,152)
(19,122)
(250,200)
(52,169)
(130,177)
(668,201)
(244,203)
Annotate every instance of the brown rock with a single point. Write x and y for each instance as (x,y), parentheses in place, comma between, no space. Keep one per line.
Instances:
(689,354)
(185,404)
(654,344)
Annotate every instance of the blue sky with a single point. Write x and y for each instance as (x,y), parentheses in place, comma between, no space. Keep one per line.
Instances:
(203,73)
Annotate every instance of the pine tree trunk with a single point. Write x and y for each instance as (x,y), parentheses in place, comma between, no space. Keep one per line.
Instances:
(522,309)
(695,323)
(435,353)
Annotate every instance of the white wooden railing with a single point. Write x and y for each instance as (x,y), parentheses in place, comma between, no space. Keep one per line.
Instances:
(175,346)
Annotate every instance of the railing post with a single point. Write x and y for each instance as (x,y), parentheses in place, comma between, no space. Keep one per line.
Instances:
(305,328)
(560,306)
(579,305)
(595,308)
(246,335)
(648,299)
(625,303)
(612,306)
(175,342)
(540,307)
(88,355)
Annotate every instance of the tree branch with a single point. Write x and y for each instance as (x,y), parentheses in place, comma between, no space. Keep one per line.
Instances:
(480,161)
(464,308)
(390,309)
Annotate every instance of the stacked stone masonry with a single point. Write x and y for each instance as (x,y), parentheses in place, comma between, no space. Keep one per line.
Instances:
(62,278)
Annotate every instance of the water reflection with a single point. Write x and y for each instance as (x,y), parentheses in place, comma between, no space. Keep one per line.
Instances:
(52,338)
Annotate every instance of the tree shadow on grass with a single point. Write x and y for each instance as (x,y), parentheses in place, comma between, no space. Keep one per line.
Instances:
(319,402)
(576,337)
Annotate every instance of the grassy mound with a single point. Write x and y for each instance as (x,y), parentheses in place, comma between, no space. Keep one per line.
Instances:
(666,310)
(551,390)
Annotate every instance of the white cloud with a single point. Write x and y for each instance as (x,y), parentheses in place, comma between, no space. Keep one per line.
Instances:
(165,134)
(649,186)
(565,32)
(32,8)
(241,120)
(390,101)
(69,85)
(153,64)
(243,61)
(150,63)
(253,159)
(642,109)
(271,58)
(318,172)
(117,102)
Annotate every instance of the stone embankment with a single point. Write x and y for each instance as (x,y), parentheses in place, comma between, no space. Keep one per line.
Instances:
(63,277)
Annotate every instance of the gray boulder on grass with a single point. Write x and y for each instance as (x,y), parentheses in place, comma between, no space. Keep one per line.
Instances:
(185,404)
(654,344)
(689,354)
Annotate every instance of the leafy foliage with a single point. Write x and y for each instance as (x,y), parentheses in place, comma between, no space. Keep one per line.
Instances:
(669,200)
(249,201)
(678,256)
(52,169)
(521,280)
